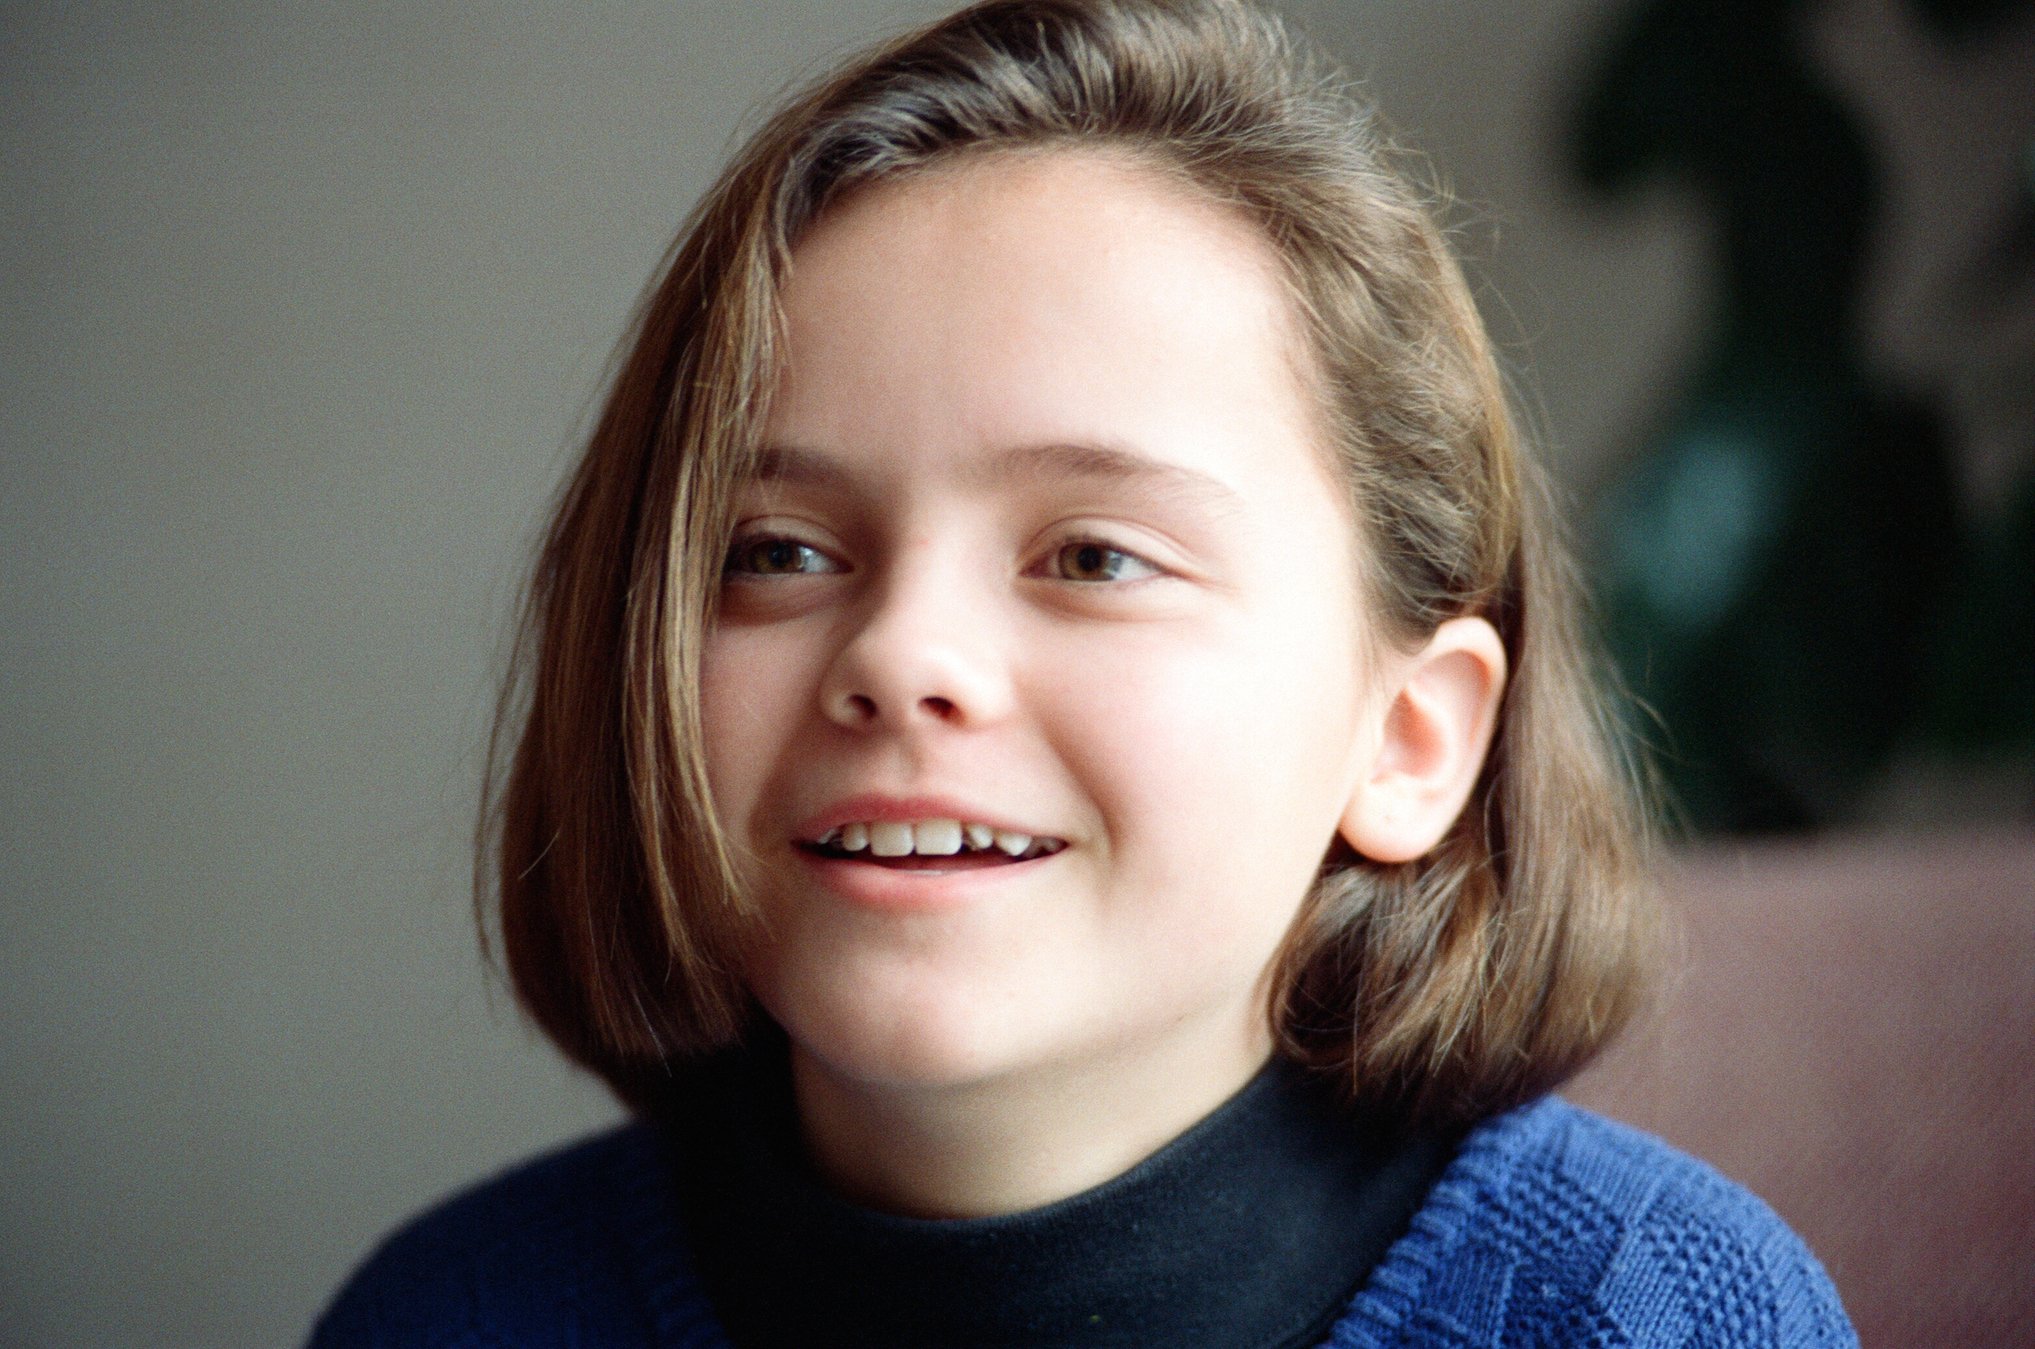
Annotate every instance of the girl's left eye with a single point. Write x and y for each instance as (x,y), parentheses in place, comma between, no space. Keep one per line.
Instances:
(774,555)
(1091,560)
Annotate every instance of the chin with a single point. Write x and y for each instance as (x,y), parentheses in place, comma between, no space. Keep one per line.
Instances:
(908,1038)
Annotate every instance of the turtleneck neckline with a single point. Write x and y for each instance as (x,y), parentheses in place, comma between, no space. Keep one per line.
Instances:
(1253,1228)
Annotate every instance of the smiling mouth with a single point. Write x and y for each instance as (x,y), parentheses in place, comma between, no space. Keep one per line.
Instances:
(965,861)
(938,847)
(935,845)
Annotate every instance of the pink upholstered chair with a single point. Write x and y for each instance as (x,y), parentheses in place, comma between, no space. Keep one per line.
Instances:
(1850,1031)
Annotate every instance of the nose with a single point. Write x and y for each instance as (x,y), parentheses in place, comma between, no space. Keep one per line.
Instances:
(921,654)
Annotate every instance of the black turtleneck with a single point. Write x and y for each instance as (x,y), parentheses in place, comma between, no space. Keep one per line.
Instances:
(1252,1229)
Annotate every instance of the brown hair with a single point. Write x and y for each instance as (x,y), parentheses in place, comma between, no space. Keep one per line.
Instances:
(1441,989)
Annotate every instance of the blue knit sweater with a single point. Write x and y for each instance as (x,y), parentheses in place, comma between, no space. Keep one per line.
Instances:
(1551,1227)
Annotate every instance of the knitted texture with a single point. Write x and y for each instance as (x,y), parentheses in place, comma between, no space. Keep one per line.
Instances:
(1552,1227)
(1556,1227)
(578,1248)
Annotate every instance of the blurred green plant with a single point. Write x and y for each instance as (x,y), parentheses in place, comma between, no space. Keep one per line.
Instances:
(1785,576)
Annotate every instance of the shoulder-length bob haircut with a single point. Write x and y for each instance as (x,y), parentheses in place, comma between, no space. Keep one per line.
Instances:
(1441,989)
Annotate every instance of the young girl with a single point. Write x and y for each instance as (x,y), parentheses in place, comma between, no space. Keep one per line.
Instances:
(1057,777)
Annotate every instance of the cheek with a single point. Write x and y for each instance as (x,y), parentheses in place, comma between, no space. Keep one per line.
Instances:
(1218,766)
(745,700)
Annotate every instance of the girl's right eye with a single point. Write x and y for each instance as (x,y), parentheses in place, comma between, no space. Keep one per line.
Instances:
(774,555)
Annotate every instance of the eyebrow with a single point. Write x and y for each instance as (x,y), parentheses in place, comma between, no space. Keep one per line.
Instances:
(1064,460)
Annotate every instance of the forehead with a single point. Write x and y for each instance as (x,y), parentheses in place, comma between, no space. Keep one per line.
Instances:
(1072,297)
(1009,201)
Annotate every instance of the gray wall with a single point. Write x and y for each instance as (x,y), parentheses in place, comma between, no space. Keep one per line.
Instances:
(302,309)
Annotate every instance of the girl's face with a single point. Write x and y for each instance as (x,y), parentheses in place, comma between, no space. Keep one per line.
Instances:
(1044,542)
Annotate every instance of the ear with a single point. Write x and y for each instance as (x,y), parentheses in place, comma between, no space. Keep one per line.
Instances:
(1442,703)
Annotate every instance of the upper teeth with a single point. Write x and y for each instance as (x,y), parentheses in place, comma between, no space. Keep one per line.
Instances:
(933,838)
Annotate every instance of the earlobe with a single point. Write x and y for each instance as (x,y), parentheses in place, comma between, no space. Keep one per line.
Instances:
(1441,707)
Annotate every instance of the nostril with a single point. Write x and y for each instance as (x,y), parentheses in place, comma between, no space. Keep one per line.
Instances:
(866,709)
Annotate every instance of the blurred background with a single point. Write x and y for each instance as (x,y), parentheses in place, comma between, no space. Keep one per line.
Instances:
(302,310)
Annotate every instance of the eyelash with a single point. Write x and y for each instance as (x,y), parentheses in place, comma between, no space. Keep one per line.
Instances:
(748,546)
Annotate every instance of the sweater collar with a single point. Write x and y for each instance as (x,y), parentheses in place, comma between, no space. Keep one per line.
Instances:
(1253,1228)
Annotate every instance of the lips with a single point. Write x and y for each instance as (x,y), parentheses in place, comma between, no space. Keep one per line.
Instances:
(989,861)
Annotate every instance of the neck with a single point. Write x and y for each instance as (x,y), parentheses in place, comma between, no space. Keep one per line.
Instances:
(1253,1227)
(1011,1142)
